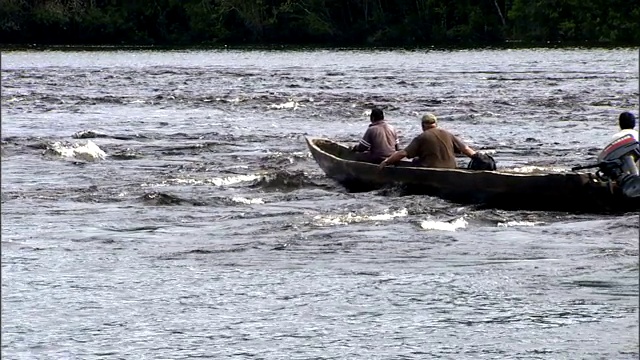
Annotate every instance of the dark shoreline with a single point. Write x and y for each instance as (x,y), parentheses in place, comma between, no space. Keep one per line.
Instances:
(310,47)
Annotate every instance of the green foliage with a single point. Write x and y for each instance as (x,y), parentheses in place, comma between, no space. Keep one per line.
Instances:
(596,21)
(328,22)
(12,16)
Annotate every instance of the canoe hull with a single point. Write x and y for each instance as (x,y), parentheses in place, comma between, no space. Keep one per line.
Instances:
(556,192)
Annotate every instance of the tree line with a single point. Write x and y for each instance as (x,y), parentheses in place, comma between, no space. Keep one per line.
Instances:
(319,22)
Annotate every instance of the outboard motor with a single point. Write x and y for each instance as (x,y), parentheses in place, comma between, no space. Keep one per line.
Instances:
(617,162)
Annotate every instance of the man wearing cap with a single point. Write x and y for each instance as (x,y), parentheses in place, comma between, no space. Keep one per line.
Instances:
(434,148)
(379,141)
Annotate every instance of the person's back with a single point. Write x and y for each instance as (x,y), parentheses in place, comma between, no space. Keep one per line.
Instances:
(379,140)
(435,148)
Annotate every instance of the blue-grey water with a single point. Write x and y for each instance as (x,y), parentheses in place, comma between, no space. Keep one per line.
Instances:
(208,231)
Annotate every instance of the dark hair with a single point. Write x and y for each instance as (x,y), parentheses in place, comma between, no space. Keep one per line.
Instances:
(627,120)
(377,114)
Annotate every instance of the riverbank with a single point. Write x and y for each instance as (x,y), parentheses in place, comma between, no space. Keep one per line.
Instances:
(514,45)
(348,23)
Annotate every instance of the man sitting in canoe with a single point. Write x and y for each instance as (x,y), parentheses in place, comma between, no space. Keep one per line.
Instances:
(379,141)
(434,148)
(627,123)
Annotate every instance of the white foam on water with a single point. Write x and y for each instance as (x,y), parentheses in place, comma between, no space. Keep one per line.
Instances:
(186,181)
(61,150)
(353,218)
(221,181)
(164,183)
(459,223)
(87,151)
(518,223)
(291,104)
(243,200)
(229,180)
(234,100)
(536,170)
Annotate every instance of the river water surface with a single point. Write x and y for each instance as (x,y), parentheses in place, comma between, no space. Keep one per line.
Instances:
(208,231)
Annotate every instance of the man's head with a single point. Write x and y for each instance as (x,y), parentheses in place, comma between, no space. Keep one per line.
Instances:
(376,115)
(627,120)
(429,121)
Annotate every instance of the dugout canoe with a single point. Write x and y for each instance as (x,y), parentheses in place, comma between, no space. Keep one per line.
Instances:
(571,191)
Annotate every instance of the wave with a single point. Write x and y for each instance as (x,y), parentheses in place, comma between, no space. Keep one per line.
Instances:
(199,251)
(230,180)
(518,223)
(218,181)
(452,225)
(88,151)
(289,105)
(279,159)
(126,154)
(92,134)
(243,200)
(153,198)
(88,134)
(274,102)
(352,104)
(325,220)
(287,180)
(160,199)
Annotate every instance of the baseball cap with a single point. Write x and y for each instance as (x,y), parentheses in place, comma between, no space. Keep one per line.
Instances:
(429,119)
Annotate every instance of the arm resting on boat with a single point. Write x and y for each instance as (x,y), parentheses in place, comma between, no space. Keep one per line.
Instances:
(394,158)
(459,145)
(468,151)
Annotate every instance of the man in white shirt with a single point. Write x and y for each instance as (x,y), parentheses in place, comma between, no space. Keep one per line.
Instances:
(627,122)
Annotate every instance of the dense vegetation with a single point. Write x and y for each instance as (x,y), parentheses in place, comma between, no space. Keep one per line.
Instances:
(318,22)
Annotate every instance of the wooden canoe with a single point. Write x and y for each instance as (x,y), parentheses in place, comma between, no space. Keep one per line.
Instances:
(571,191)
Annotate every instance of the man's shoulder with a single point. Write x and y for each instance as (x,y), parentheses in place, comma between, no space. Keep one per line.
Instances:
(381,126)
(386,124)
(423,136)
(624,132)
(381,123)
(443,131)
(436,132)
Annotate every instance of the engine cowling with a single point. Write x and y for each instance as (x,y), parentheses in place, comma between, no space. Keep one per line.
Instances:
(617,162)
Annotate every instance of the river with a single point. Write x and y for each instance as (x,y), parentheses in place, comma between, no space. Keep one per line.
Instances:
(208,231)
